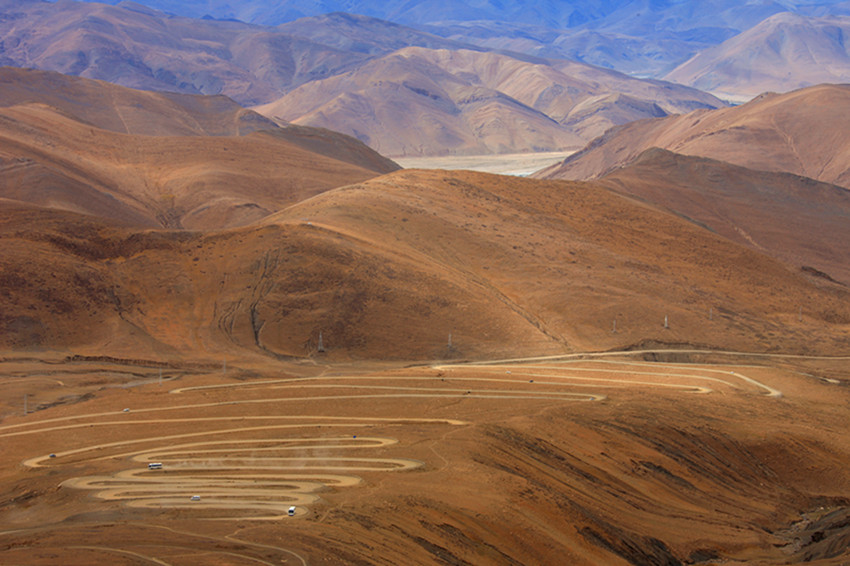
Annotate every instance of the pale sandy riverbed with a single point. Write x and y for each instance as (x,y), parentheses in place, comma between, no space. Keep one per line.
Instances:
(520,164)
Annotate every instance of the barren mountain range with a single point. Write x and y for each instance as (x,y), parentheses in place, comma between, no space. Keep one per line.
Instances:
(401,91)
(645,38)
(784,52)
(408,92)
(419,101)
(804,132)
(142,48)
(631,17)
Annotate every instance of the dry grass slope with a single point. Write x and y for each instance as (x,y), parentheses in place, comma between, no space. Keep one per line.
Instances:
(387,269)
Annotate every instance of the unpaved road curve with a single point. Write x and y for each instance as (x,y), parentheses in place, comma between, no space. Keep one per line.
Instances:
(596,356)
(262,476)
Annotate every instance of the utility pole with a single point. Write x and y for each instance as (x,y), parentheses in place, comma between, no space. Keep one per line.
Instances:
(666,325)
(321,346)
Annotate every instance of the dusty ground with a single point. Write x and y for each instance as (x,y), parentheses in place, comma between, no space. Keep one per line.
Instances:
(653,457)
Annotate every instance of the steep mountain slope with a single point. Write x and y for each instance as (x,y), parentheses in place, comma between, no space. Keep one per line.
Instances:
(390,267)
(803,132)
(782,53)
(164,171)
(420,101)
(800,221)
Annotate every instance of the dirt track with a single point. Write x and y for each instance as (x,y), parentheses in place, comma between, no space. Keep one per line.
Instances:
(264,476)
(251,448)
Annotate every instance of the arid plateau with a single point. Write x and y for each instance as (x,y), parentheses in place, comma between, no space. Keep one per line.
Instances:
(228,339)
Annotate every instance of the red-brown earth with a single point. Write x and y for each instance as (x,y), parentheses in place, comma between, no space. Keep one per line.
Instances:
(328,354)
(615,460)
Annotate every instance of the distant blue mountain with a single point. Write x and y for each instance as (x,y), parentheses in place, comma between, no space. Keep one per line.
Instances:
(646,38)
(631,17)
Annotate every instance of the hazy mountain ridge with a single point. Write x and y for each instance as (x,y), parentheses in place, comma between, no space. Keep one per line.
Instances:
(644,56)
(647,39)
(782,53)
(422,101)
(151,51)
(347,73)
(636,16)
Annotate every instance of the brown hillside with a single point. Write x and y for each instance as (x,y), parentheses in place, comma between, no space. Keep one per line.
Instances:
(55,157)
(389,268)
(806,132)
(796,219)
(129,111)
(419,101)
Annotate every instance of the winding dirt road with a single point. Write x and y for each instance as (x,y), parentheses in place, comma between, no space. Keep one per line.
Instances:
(278,466)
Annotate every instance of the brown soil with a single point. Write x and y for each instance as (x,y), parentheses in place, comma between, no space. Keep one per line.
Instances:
(510,463)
